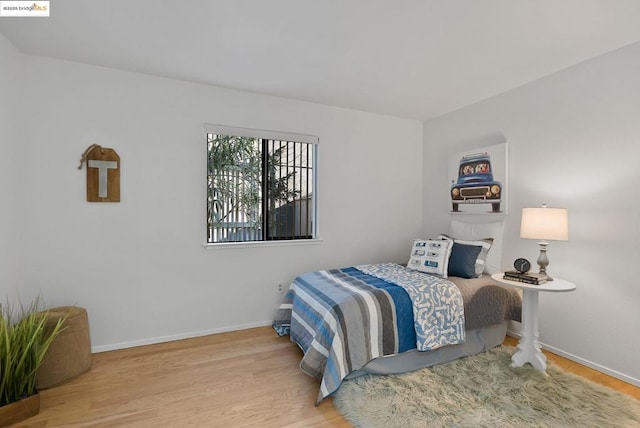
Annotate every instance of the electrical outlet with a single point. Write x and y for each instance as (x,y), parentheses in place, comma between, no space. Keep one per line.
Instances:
(280,287)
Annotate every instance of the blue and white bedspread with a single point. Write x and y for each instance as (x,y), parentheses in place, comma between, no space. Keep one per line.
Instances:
(438,308)
(344,318)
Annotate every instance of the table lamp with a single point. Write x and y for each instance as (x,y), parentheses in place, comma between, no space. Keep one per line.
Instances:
(544,224)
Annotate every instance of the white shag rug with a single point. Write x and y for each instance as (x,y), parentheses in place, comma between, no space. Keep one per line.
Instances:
(484,391)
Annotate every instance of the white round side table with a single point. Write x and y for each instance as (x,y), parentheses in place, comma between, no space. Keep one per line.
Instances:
(529,347)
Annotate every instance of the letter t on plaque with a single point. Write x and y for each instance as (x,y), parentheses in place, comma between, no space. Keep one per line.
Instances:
(103,175)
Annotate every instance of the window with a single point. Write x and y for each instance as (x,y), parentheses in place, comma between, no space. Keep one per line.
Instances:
(260,185)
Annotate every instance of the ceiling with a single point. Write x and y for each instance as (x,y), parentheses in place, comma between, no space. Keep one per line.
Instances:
(410,58)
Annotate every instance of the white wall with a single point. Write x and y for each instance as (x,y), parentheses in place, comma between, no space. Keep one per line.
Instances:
(138,266)
(574,141)
(10,82)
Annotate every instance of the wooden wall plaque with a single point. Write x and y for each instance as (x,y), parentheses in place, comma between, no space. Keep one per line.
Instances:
(103,175)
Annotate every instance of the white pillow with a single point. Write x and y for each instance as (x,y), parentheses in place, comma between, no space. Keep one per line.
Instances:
(431,256)
(475,231)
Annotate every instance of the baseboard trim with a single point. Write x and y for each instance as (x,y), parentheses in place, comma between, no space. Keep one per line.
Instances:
(163,339)
(610,372)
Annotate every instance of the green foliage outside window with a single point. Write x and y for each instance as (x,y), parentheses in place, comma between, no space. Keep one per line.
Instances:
(236,181)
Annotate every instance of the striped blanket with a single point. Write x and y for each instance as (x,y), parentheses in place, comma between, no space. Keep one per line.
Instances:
(344,318)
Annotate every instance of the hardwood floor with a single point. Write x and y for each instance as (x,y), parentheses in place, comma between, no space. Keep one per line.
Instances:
(238,379)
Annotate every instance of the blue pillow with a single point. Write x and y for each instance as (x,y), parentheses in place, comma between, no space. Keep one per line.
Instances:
(462,262)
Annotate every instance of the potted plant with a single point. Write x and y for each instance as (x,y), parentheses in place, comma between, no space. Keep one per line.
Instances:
(24,340)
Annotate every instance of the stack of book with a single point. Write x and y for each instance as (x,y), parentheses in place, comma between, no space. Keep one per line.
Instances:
(526,277)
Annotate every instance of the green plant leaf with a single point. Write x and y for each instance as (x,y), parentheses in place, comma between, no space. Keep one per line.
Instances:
(25,338)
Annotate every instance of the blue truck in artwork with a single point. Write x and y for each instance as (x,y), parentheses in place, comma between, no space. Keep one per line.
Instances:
(475,183)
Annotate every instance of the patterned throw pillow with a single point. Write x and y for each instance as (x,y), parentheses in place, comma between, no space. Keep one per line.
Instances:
(480,261)
(431,256)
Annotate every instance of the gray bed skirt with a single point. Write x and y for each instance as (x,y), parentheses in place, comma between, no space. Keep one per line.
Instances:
(477,340)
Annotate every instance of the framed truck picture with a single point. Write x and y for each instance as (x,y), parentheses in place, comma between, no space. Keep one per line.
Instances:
(478,181)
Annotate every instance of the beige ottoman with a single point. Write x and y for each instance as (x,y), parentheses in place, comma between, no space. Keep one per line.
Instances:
(70,352)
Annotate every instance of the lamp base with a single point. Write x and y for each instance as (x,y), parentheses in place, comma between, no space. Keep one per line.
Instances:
(543,260)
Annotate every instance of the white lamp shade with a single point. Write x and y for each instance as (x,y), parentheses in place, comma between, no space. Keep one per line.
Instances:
(545,223)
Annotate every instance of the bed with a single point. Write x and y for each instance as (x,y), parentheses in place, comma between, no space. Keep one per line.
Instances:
(389,318)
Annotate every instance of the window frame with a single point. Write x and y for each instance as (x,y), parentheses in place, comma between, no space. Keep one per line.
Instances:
(270,135)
